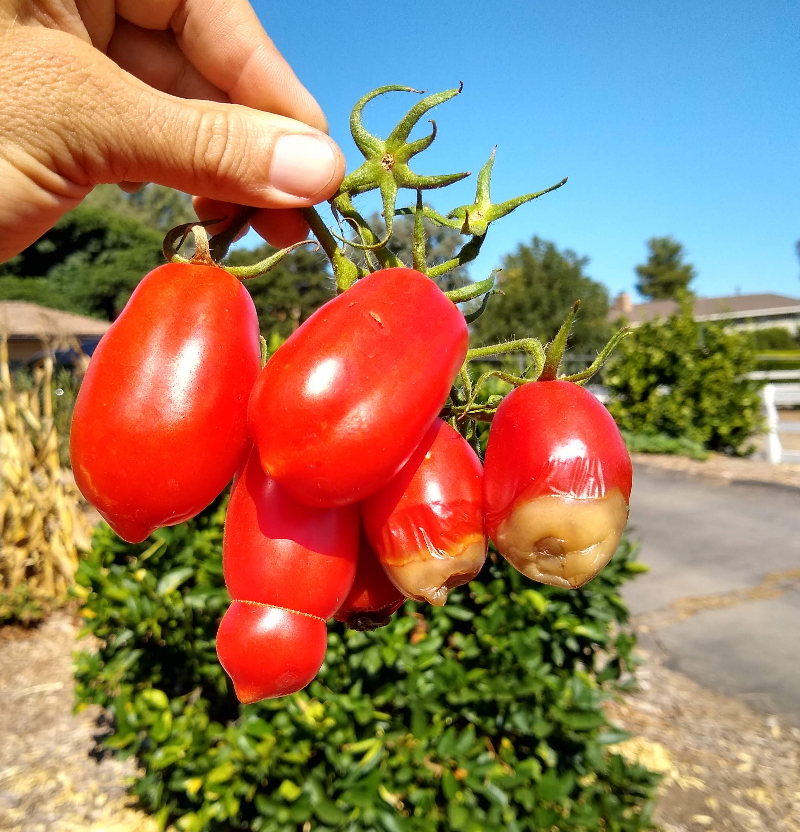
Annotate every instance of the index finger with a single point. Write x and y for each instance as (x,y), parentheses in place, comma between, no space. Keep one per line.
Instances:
(225,41)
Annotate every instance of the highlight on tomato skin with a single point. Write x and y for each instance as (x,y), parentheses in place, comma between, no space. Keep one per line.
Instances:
(343,403)
(159,426)
(277,550)
(373,598)
(426,525)
(557,483)
(269,651)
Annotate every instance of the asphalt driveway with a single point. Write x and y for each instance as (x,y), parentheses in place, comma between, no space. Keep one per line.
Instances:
(722,598)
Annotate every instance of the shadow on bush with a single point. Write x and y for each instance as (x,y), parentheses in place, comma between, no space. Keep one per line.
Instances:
(482,715)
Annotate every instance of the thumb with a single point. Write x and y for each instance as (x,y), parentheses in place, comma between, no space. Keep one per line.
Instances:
(90,122)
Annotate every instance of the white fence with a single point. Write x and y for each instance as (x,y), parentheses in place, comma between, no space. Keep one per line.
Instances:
(775,396)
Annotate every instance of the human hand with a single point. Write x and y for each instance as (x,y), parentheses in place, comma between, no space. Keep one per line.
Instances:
(191,94)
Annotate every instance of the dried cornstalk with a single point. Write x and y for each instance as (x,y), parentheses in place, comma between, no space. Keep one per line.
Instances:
(43,523)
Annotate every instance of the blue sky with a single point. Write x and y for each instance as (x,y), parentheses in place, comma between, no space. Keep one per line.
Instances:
(678,118)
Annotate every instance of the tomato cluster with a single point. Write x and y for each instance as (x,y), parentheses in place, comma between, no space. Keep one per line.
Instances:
(355,485)
(351,494)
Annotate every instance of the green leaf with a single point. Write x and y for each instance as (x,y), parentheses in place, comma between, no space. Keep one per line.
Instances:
(221,774)
(289,791)
(172,580)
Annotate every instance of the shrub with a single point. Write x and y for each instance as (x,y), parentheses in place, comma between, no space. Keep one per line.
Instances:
(660,443)
(687,379)
(483,714)
(772,338)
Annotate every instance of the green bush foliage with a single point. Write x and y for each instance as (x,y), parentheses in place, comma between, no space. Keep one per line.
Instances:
(682,378)
(484,714)
(660,443)
(773,338)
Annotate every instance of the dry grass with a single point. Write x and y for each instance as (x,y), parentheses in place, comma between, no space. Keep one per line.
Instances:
(43,525)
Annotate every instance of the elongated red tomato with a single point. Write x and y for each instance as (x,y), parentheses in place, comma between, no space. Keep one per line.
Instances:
(373,598)
(426,524)
(160,423)
(557,483)
(288,567)
(341,406)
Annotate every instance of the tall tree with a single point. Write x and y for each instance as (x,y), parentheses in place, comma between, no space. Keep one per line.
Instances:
(664,275)
(540,284)
(89,262)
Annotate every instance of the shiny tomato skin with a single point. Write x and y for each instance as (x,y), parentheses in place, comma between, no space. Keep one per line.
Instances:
(340,407)
(159,426)
(373,598)
(426,524)
(269,651)
(557,482)
(277,550)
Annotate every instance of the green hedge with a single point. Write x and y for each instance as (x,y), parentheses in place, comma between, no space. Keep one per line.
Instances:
(686,380)
(482,715)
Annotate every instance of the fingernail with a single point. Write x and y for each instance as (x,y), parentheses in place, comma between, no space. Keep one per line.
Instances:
(302,165)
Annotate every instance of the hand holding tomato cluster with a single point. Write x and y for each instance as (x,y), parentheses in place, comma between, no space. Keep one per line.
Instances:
(356,483)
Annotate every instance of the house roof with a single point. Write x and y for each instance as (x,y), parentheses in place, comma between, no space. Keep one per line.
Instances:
(709,309)
(21,319)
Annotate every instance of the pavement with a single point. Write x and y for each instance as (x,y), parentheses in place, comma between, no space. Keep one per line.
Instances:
(721,602)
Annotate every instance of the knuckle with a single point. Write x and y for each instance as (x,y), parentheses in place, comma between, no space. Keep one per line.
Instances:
(219,145)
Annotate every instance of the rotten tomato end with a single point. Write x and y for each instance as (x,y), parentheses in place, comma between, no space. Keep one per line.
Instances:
(557,483)
(373,598)
(426,525)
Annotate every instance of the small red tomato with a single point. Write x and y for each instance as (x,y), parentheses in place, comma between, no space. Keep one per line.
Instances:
(557,483)
(279,551)
(160,423)
(269,651)
(373,598)
(426,524)
(341,406)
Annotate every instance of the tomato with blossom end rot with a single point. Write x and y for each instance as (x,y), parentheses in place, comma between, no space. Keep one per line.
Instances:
(160,422)
(343,403)
(373,598)
(279,554)
(426,525)
(557,483)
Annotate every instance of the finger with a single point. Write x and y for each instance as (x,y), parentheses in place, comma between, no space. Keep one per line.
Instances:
(155,58)
(279,227)
(226,42)
(131,187)
(212,209)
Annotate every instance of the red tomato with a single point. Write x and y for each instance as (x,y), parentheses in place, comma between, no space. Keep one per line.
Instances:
(373,598)
(281,552)
(159,426)
(557,483)
(342,405)
(426,524)
(269,651)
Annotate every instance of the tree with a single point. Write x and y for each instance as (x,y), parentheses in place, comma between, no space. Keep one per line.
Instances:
(664,275)
(540,284)
(155,206)
(89,262)
(290,293)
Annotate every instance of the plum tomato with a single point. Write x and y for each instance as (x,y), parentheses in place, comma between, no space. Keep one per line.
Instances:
(557,483)
(426,524)
(160,422)
(269,651)
(279,551)
(373,598)
(341,406)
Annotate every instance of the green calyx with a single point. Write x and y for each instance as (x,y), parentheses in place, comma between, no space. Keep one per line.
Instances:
(385,165)
(209,252)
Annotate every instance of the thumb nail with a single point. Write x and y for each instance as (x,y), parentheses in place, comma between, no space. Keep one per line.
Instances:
(302,165)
